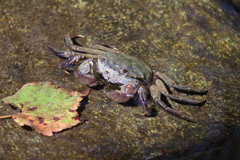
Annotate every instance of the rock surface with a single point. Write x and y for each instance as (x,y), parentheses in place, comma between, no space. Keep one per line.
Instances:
(193,42)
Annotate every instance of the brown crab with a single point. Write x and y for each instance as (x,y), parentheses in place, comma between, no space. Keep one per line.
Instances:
(134,76)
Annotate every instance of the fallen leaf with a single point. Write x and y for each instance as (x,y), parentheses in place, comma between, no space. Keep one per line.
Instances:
(46,107)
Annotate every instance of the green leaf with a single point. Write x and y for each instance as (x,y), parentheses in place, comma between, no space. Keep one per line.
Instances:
(46,107)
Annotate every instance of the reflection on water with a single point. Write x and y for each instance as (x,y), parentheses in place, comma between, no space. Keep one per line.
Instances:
(193,42)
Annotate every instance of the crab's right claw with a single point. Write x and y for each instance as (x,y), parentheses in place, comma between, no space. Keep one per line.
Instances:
(117,96)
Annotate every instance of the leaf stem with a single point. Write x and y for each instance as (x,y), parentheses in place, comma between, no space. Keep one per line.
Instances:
(8,116)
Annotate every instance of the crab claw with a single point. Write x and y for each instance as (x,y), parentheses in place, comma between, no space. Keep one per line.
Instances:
(117,96)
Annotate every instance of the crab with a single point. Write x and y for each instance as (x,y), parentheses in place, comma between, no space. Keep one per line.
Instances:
(136,79)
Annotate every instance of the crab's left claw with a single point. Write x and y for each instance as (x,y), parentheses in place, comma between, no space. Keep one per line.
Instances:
(84,73)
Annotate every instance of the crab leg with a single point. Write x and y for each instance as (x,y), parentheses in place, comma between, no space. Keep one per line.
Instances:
(73,58)
(171,83)
(60,53)
(67,54)
(143,99)
(172,111)
(155,93)
(164,91)
(189,89)
(183,99)
(103,48)
(68,41)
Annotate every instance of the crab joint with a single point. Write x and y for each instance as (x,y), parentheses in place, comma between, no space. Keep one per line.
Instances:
(129,89)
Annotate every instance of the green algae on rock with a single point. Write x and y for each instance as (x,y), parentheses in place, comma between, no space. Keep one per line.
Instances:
(46,107)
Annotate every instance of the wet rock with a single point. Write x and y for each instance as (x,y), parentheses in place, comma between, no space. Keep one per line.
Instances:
(193,42)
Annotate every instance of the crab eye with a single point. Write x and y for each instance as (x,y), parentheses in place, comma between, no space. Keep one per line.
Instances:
(122,70)
(103,60)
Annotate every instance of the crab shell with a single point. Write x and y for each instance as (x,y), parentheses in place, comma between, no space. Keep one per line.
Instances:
(123,69)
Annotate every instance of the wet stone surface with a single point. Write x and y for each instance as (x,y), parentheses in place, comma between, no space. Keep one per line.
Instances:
(193,42)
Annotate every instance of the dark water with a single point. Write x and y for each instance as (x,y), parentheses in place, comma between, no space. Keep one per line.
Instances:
(193,42)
